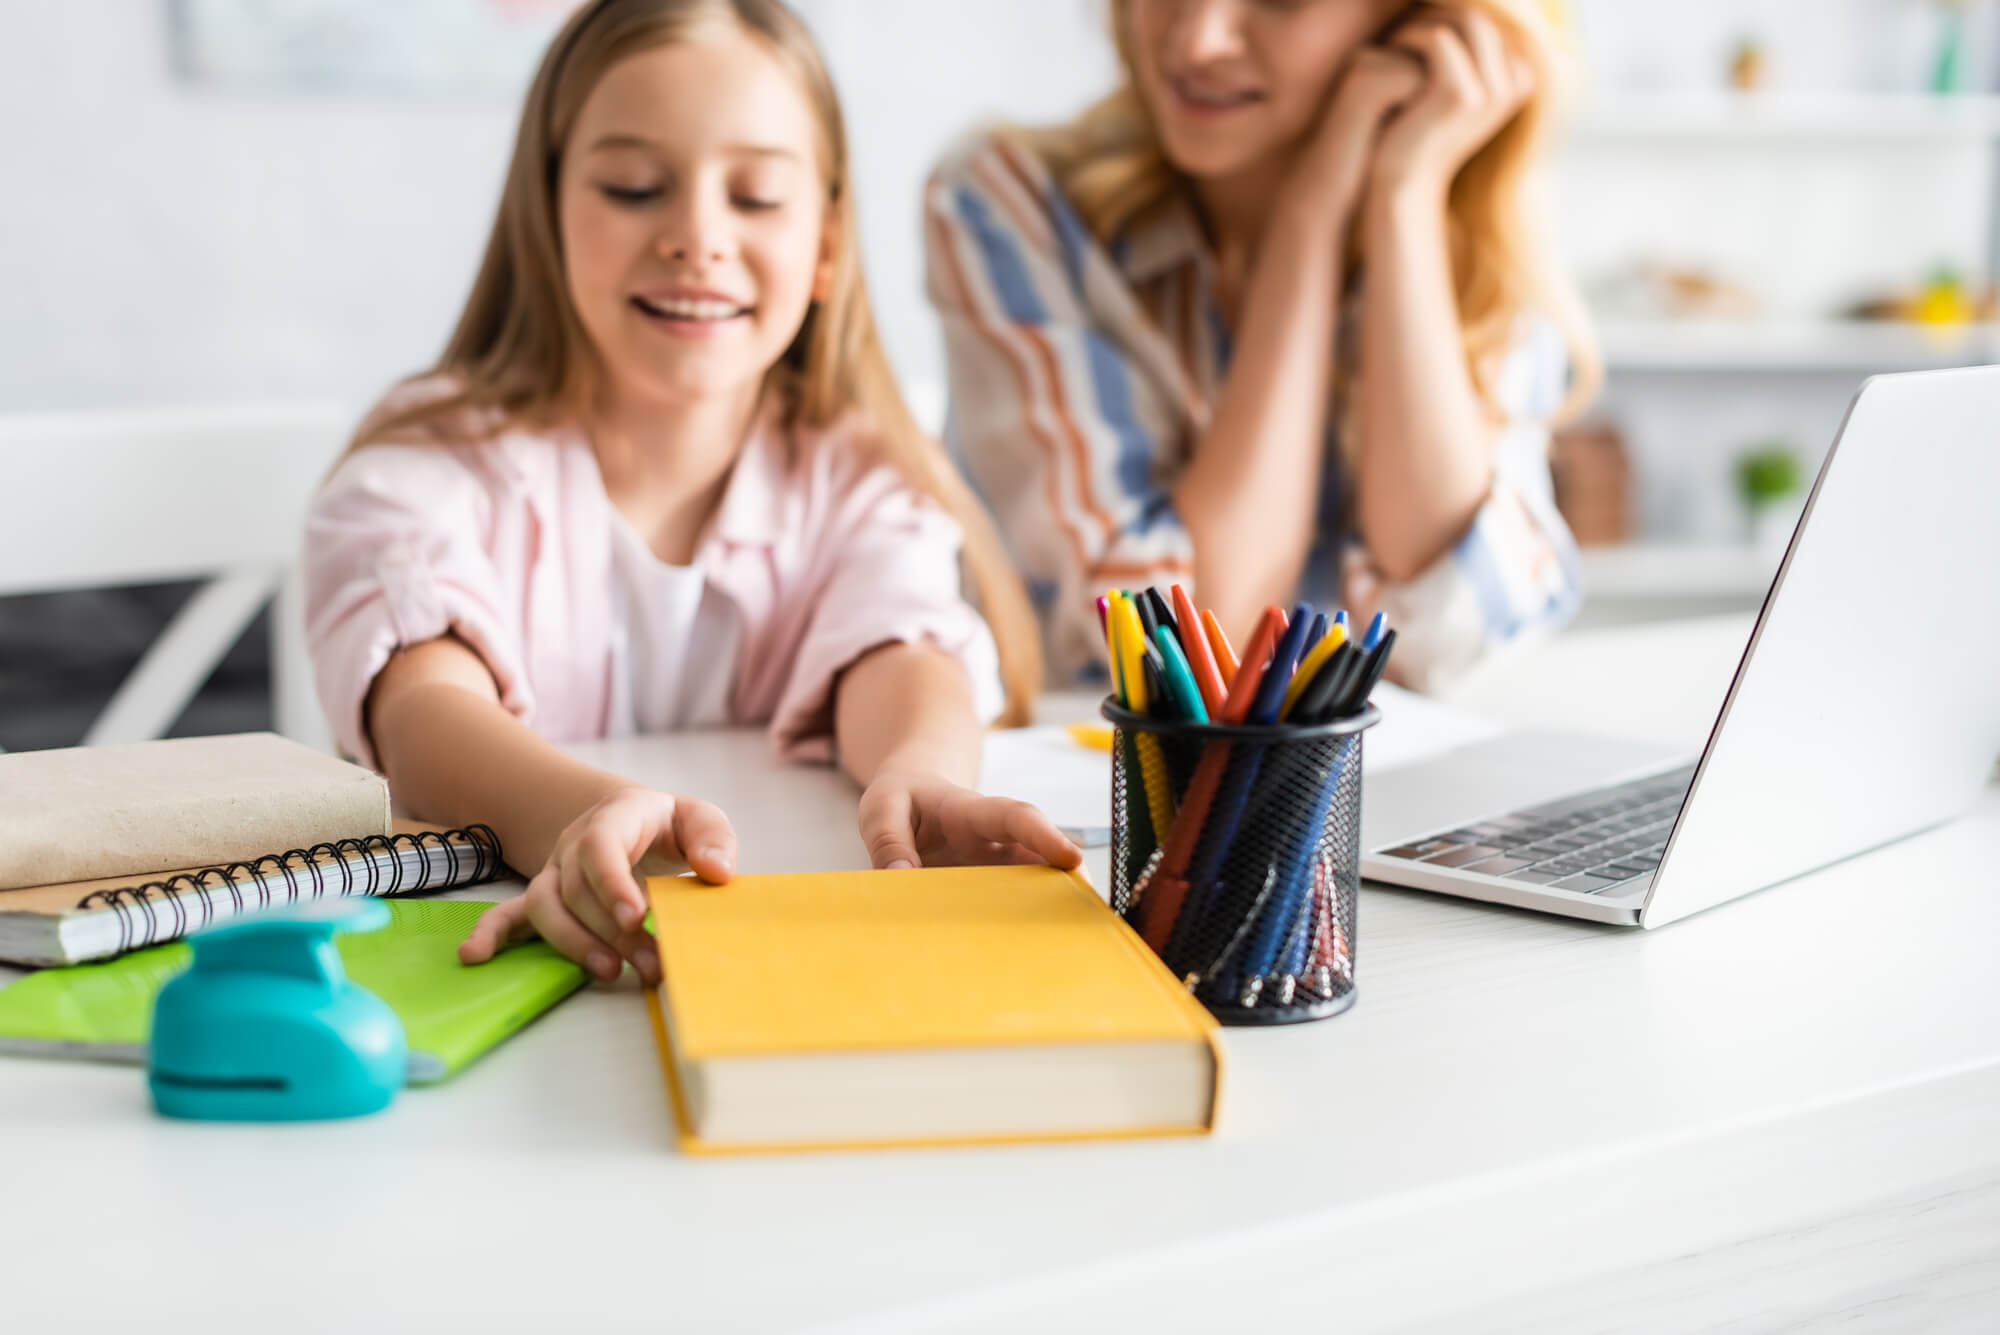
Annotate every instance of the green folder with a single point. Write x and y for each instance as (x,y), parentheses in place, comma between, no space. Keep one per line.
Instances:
(451,1013)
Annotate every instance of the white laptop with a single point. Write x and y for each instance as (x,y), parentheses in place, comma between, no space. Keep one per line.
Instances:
(1866,706)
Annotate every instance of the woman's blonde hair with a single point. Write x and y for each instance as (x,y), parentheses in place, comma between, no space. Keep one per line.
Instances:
(520,354)
(1110,163)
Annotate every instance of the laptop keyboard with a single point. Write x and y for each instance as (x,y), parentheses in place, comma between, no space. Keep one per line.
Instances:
(1606,839)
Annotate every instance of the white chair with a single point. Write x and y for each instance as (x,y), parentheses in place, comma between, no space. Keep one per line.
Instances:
(101,499)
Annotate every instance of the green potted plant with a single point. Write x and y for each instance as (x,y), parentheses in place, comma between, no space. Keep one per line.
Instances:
(1771,482)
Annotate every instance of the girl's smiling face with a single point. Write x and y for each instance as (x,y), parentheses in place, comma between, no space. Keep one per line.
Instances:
(693,215)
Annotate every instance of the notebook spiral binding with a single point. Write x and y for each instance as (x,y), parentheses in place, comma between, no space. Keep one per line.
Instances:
(307,873)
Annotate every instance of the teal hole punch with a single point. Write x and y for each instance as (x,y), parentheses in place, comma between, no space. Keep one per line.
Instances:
(265,1026)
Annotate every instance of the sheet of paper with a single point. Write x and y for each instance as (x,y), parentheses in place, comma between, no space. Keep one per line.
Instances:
(1046,766)
(1415,727)
(1072,782)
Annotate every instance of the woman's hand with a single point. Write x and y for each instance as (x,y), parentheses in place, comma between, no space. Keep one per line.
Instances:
(1332,167)
(585,900)
(915,819)
(1473,82)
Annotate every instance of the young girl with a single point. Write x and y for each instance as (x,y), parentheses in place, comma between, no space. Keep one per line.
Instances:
(1165,363)
(661,478)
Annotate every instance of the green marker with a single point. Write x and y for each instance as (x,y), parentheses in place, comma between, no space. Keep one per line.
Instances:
(1180,678)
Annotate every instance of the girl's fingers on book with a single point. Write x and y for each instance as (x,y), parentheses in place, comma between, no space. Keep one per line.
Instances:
(1005,820)
(541,910)
(1001,853)
(562,929)
(604,865)
(590,876)
(887,829)
(704,839)
(590,889)
(639,948)
(505,921)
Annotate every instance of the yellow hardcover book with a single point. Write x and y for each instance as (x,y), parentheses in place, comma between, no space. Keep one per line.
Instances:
(949,1005)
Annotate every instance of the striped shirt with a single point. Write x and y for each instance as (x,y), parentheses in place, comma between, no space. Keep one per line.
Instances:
(1082,374)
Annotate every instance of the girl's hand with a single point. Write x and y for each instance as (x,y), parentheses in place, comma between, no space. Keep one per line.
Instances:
(911,819)
(1332,168)
(1473,83)
(585,901)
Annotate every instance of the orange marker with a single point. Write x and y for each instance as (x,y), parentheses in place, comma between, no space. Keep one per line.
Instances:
(1201,659)
(1218,643)
(1250,672)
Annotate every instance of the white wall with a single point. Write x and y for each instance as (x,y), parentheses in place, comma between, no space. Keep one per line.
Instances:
(916,74)
(161,242)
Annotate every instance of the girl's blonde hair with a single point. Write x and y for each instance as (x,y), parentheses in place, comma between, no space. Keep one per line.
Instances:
(520,353)
(1110,163)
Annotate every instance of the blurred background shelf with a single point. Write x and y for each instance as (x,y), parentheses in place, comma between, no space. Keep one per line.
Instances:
(1678,569)
(1859,346)
(1635,582)
(1733,184)
(1838,117)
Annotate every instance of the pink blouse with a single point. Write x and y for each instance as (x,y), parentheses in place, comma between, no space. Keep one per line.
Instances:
(821,552)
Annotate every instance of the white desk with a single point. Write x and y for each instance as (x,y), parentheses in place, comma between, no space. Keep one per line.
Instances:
(1783,1109)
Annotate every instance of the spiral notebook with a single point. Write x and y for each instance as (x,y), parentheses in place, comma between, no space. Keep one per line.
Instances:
(87,920)
(451,1013)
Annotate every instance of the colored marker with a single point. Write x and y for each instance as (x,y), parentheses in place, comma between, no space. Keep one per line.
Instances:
(1309,667)
(1225,654)
(1200,658)
(1375,629)
(1181,688)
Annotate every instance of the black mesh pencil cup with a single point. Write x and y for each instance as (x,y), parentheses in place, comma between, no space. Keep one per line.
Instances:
(1236,855)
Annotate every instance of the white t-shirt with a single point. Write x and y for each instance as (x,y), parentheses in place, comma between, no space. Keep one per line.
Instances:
(679,638)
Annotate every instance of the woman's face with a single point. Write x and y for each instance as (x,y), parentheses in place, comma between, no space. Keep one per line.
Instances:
(1234,84)
(693,216)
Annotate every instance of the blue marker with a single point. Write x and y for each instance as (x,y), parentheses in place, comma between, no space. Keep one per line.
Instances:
(1298,947)
(1272,934)
(1268,937)
(1294,866)
(1316,634)
(1340,617)
(1375,629)
(1225,815)
(1284,660)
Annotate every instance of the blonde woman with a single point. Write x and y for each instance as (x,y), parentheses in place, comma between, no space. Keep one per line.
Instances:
(1274,319)
(661,479)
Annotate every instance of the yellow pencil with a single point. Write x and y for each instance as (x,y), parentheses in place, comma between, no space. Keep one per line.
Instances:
(1132,636)
(1114,640)
(1152,763)
(1093,735)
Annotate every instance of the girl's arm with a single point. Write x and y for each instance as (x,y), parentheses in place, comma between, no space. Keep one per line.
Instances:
(907,733)
(453,754)
(1427,439)
(1250,497)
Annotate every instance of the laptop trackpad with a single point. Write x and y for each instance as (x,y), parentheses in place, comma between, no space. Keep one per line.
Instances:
(1495,776)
